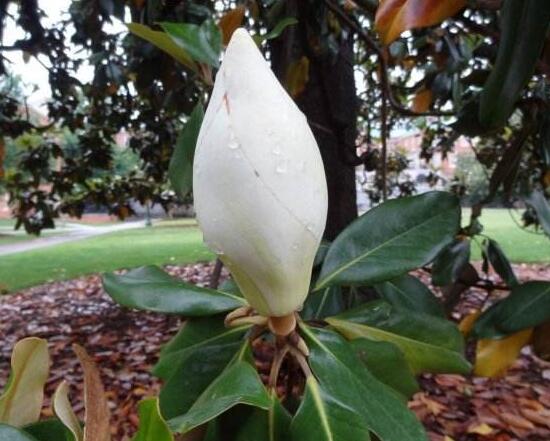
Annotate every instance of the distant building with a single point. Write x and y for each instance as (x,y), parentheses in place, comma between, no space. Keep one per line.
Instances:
(418,171)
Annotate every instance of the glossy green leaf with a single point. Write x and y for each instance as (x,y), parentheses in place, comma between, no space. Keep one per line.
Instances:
(422,327)
(163,42)
(450,261)
(203,43)
(321,253)
(229,286)
(192,360)
(180,170)
(238,384)
(328,301)
(346,380)
(523,31)
(272,425)
(528,305)
(10,433)
(199,337)
(387,363)
(277,29)
(409,293)
(22,400)
(152,289)
(152,426)
(322,417)
(538,201)
(429,344)
(385,243)
(49,430)
(500,262)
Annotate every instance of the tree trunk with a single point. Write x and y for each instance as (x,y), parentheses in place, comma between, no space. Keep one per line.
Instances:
(330,105)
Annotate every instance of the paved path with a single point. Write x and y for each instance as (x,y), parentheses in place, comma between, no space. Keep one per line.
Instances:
(72,232)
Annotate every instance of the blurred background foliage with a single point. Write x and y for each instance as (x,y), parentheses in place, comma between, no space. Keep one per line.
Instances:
(348,64)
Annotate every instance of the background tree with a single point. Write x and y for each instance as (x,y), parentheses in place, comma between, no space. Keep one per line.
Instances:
(432,76)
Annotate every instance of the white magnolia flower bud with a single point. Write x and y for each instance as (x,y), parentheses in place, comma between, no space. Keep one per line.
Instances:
(259,183)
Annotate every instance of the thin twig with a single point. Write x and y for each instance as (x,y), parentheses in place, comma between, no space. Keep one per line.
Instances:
(215,276)
(302,361)
(280,355)
(371,44)
(384,134)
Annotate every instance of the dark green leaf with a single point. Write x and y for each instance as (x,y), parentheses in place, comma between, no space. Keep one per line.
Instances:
(196,361)
(201,337)
(538,201)
(279,28)
(500,262)
(322,417)
(387,363)
(49,430)
(152,426)
(163,42)
(391,239)
(203,43)
(409,293)
(9,433)
(344,378)
(320,304)
(229,286)
(238,384)
(272,425)
(151,289)
(321,253)
(450,261)
(180,170)
(523,31)
(527,305)
(429,344)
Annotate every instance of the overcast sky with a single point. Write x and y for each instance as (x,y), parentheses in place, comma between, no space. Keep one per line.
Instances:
(33,74)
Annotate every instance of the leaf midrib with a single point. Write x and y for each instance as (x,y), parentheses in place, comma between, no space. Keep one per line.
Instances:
(328,351)
(352,262)
(176,284)
(528,304)
(391,336)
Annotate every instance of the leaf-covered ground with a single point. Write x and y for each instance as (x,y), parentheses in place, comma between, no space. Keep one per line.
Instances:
(125,345)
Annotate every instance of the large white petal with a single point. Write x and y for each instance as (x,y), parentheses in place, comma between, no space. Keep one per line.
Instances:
(259,183)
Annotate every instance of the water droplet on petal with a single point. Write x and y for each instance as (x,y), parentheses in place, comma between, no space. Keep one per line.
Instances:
(310,227)
(282,166)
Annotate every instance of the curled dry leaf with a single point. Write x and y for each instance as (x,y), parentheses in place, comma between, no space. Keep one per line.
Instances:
(64,411)
(230,22)
(22,400)
(97,410)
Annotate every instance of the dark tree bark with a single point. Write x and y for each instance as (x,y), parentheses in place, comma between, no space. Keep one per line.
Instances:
(330,105)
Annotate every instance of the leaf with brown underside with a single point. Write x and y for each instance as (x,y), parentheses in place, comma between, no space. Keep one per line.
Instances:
(422,101)
(97,410)
(297,76)
(396,16)
(230,22)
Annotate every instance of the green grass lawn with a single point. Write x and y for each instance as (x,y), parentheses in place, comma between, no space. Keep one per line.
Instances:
(180,241)
(518,244)
(124,249)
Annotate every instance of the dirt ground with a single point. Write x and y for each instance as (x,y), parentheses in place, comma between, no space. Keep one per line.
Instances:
(125,345)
